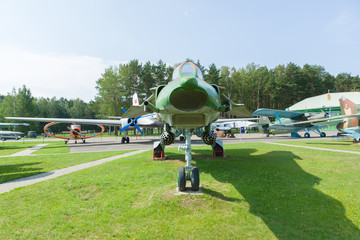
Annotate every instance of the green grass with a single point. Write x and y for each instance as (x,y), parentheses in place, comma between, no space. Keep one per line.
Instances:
(8,148)
(12,168)
(53,147)
(340,144)
(259,191)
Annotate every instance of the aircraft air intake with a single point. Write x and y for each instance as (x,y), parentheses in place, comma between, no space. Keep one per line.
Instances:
(188,100)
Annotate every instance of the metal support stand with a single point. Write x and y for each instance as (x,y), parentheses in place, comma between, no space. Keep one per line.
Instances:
(218,149)
(158,150)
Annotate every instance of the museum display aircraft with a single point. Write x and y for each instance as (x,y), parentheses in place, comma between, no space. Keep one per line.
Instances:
(75,132)
(144,121)
(293,122)
(233,123)
(187,105)
(4,135)
(350,125)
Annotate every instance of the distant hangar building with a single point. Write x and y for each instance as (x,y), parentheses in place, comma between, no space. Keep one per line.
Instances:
(325,102)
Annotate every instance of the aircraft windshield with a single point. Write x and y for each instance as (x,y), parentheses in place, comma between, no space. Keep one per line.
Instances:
(187,69)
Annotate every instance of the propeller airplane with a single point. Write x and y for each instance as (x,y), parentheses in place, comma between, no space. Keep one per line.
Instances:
(75,131)
(187,105)
(293,122)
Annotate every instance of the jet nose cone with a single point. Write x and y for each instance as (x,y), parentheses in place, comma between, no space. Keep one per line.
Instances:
(189,83)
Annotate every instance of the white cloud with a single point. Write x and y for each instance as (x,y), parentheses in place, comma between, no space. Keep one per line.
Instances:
(50,75)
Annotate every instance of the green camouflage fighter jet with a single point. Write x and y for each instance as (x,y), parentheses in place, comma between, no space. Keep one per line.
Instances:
(187,105)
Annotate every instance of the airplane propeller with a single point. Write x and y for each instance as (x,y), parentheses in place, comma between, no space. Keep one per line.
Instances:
(75,131)
(327,114)
(132,122)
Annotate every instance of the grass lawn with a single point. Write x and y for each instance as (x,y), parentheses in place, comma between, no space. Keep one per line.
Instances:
(18,167)
(340,144)
(259,191)
(53,147)
(8,148)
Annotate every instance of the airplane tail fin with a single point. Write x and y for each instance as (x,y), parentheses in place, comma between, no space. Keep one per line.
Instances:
(264,120)
(135,101)
(264,123)
(347,106)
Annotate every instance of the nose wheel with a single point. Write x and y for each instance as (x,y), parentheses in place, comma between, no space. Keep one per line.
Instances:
(192,175)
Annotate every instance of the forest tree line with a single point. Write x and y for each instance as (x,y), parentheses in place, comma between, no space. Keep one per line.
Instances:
(254,85)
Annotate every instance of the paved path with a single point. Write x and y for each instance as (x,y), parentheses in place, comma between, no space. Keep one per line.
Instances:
(8,186)
(27,151)
(316,148)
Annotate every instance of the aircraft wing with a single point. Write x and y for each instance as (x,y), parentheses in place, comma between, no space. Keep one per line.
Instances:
(354,131)
(69,120)
(235,120)
(138,110)
(276,113)
(135,111)
(14,124)
(284,128)
(236,109)
(239,110)
(326,121)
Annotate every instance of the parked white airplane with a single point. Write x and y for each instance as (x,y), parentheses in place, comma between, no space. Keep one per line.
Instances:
(234,123)
(4,135)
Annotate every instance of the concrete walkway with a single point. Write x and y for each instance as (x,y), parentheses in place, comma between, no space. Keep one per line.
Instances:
(316,148)
(27,151)
(8,186)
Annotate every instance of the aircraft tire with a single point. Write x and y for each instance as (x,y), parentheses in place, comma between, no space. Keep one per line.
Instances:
(181,179)
(306,135)
(322,134)
(123,140)
(195,179)
(127,140)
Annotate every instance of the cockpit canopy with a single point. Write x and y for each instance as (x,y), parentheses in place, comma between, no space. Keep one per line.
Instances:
(187,69)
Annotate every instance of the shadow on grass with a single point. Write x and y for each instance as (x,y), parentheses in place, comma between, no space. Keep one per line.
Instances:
(16,171)
(280,192)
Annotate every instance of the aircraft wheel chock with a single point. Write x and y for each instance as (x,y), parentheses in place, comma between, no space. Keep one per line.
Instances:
(195,179)
(181,179)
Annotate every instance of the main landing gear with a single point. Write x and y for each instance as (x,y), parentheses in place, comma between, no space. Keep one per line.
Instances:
(307,134)
(125,140)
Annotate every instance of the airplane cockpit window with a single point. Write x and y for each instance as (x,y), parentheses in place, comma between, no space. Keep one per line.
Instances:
(187,69)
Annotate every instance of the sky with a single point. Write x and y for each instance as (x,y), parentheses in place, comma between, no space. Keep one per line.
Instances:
(61,48)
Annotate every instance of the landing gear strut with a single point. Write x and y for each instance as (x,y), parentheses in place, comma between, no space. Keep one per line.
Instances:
(188,173)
